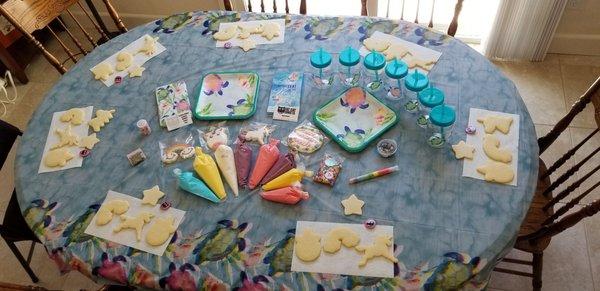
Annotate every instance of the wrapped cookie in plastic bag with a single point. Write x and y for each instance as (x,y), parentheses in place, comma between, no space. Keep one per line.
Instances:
(213,136)
(256,132)
(177,147)
(306,138)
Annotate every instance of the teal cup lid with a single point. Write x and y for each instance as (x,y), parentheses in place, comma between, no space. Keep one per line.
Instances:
(431,97)
(416,81)
(374,61)
(442,115)
(396,69)
(320,59)
(349,57)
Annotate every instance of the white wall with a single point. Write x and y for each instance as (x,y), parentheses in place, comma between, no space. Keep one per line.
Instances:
(579,29)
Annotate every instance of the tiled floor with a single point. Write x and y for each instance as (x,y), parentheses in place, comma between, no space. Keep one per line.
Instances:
(572,261)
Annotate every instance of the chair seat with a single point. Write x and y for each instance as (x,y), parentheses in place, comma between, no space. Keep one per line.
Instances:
(536,215)
(14,228)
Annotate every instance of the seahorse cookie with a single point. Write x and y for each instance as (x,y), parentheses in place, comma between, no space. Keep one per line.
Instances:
(226,33)
(124,60)
(493,122)
(149,45)
(491,147)
(102,71)
(67,138)
(58,157)
(380,248)
(379,45)
(109,208)
(496,172)
(134,222)
(338,236)
(160,230)
(270,30)
(308,245)
(73,115)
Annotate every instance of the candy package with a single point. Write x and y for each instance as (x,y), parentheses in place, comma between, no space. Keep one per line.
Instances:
(306,138)
(256,132)
(329,169)
(176,148)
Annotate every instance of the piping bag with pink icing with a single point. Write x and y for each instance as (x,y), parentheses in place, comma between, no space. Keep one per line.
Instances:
(267,156)
(226,162)
(243,160)
(289,178)
(284,163)
(287,195)
(207,169)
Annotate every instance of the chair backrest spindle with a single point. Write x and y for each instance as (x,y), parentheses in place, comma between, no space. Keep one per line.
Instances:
(262,6)
(570,204)
(567,156)
(430,25)
(417,14)
(62,44)
(87,35)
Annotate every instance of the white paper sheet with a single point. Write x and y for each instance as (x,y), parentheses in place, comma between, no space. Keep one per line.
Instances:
(52,139)
(508,141)
(138,59)
(345,261)
(257,38)
(128,236)
(417,51)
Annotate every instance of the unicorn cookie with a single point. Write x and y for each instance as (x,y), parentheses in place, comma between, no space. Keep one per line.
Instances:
(134,222)
(381,248)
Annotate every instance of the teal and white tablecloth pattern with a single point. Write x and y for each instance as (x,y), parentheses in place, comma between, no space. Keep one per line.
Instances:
(448,230)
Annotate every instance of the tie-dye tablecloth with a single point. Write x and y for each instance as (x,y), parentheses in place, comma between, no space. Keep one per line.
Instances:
(448,230)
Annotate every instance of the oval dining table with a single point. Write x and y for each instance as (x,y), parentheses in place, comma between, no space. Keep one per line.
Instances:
(449,230)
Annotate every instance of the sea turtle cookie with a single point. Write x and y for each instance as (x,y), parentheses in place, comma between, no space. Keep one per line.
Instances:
(305,139)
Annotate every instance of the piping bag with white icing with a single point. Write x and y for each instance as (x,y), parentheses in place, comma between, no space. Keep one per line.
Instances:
(191,184)
(243,161)
(289,178)
(284,163)
(287,195)
(207,169)
(226,162)
(267,156)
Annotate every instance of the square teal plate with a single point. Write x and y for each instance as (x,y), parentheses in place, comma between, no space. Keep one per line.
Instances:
(227,95)
(354,119)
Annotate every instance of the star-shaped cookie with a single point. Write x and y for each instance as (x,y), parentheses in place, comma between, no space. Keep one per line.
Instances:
(247,44)
(270,30)
(463,150)
(89,141)
(152,195)
(136,71)
(352,205)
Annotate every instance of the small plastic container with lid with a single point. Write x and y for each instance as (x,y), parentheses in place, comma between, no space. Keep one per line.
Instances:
(414,82)
(442,119)
(322,76)
(374,63)
(396,71)
(428,98)
(349,72)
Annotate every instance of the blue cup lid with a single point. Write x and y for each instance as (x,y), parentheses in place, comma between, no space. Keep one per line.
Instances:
(416,81)
(396,69)
(349,57)
(431,97)
(374,61)
(442,115)
(320,59)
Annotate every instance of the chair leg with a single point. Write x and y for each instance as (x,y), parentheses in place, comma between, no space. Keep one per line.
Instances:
(22,260)
(538,262)
(31,249)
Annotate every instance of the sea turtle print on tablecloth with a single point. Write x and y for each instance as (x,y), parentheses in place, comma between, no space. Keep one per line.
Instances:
(172,23)
(224,240)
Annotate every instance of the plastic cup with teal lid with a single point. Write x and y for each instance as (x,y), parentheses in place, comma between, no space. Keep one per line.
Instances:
(414,83)
(428,98)
(349,71)
(442,119)
(320,60)
(395,71)
(374,62)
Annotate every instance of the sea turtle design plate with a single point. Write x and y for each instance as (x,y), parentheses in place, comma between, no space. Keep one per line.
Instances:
(354,119)
(227,95)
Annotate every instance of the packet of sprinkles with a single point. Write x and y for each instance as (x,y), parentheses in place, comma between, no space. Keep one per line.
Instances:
(329,169)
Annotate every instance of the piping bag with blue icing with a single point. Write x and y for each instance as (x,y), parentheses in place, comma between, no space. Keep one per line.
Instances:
(226,162)
(207,169)
(267,156)
(191,184)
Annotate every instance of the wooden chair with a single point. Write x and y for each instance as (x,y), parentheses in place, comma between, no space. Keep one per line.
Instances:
(542,222)
(228,6)
(453,24)
(14,228)
(31,15)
